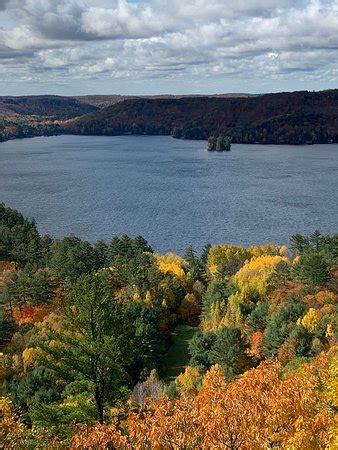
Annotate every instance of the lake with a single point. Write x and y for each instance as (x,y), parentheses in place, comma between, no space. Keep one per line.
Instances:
(172,192)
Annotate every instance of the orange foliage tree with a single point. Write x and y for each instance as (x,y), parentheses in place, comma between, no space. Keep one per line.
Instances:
(260,410)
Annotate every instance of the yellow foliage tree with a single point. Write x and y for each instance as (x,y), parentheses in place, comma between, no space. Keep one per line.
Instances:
(189,381)
(233,316)
(310,320)
(29,357)
(214,320)
(172,263)
(267,249)
(11,429)
(258,272)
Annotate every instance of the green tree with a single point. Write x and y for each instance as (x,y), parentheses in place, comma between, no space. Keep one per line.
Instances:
(229,350)
(71,257)
(96,341)
(20,240)
(25,286)
(195,266)
(299,243)
(150,339)
(223,143)
(327,245)
(36,387)
(258,318)
(100,251)
(281,324)
(7,326)
(199,348)
(138,271)
(313,269)
(217,291)
(126,247)
(303,339)
(212,142)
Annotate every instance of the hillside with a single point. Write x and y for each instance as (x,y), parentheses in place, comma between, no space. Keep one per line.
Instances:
(41,115)
(113,346)
(45,105)
(283,118)
(103,101)
(29,116)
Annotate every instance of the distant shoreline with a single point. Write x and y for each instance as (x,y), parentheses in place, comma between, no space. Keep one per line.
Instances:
(14,138)
(289,118)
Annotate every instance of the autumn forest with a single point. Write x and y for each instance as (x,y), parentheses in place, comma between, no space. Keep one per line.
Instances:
(113,346)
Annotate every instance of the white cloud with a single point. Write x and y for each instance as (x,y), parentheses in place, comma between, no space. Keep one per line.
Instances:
(158,38)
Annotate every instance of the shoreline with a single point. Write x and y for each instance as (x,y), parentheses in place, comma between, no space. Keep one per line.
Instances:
(12,138)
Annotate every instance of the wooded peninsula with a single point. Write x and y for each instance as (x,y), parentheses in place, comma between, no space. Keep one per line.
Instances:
(284,118)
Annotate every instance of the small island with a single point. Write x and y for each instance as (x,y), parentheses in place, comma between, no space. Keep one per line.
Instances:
(219,143)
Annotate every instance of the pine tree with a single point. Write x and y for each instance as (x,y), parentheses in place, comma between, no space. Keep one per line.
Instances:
(96,340)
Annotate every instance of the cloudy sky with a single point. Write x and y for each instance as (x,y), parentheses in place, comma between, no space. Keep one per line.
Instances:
(167,46)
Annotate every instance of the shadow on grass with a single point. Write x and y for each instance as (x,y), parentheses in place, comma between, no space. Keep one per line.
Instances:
(177,356)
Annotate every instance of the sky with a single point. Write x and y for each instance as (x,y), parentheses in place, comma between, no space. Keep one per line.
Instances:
(78,47)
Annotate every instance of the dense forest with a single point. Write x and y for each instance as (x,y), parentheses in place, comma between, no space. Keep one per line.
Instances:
(37,115)
(44,115)
(112,345)
(284,118)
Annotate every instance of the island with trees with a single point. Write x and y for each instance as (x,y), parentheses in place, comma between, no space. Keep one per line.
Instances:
(112,345)
(219,143)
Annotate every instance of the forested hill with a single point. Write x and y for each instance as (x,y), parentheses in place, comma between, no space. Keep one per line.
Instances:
(52,106)
(43,115)
(283,118)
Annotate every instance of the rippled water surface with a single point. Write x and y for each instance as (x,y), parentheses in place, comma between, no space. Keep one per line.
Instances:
(172,192)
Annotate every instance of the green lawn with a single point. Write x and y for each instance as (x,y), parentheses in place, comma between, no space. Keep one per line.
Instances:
(177,357)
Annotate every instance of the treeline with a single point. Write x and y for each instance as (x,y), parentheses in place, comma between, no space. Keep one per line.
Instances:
(85,330)
(30,116)
(284,118)
(25,127)
(52,106)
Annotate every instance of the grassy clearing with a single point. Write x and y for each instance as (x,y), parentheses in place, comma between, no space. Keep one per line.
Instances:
(177,357)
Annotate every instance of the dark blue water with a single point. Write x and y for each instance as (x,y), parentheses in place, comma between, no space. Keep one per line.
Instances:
(172,192)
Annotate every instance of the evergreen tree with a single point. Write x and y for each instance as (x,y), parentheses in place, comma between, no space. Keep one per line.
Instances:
(299,243)
(303,339)
(195,265)
(20,240)
(27,286)
(281,324)
(96,341)
(217,291)
(6,326)
(71,257)
(125,247)
(258,318)
(229,351)
(313,269)
(36,387)
(199,348)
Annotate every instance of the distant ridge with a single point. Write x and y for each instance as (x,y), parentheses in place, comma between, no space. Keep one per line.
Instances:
(107,100)
(282,118)
(55,106)
(72,106)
